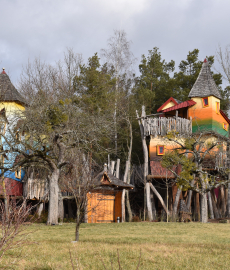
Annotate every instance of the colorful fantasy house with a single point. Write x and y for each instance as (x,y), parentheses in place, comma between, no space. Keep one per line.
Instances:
(201,112)
(104,201)
(11,106)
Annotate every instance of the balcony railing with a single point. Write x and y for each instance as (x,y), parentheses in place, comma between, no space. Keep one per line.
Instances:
(162,126)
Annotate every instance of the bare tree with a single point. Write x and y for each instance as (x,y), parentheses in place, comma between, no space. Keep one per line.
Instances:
(78,179)
(119,56)
(13,231)
(223,57)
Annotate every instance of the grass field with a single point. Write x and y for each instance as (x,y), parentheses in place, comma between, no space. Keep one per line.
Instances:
(163,246)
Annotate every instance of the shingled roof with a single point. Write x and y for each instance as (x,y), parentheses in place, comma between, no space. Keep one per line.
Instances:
(107,179)
(205,85)
(7,90)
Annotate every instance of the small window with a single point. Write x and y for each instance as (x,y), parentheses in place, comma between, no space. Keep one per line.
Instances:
(160,150)
(217,107)
(18,173)
(225,126)
(205,102)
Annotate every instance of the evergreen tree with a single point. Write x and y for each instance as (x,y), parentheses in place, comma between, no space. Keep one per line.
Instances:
(153,85)
(189,71)
(94,86)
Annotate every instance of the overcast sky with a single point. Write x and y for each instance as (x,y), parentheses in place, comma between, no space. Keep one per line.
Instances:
(45,28)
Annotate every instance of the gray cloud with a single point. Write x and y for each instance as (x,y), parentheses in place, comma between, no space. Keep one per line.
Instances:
(45,28)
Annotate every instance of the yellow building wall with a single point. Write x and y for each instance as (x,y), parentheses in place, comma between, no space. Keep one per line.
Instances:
(169,105)
(12,108)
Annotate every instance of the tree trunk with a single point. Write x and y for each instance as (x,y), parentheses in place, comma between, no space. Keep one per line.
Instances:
(175,205)
(189,199)
(53,198)
(60,208)
(228,202)
(128,206)
(77,225)
(197,206)
(215,210)
(204,208)
(210,205)
(149,205)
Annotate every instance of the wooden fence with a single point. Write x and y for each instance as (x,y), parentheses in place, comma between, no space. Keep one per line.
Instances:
(162,125)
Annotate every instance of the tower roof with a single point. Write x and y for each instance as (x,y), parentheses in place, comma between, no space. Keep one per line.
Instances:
(205,85)
(7,90)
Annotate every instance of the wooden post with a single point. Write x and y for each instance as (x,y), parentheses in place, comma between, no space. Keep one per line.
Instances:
(153,206)
(112,167)
(159,197)
(176,201)
(210,205)
(118,168)
(40,209)
(123,192)
(228,201)
(222,201)
(197,206)
(60,207)
(149,205)
(215,210)
(145,150)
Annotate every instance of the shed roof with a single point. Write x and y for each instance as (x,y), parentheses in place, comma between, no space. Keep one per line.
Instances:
(181,105)
(107,179)
(7,90)
(171,99)
(205,85)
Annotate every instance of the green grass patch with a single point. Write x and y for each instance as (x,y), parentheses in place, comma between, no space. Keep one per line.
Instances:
(162,245)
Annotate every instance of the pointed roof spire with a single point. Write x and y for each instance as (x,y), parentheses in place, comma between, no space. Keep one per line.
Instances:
(3,71)
(7,90)
(205,85)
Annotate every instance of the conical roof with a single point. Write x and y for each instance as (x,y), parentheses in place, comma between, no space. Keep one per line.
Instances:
(7,90)
(205,85)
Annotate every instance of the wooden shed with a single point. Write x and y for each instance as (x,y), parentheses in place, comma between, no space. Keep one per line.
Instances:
(104,201)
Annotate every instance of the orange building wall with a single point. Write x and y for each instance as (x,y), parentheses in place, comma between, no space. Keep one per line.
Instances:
(104,206)
(207,118)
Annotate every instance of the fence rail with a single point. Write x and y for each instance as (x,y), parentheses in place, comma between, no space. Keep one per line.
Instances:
(162,125)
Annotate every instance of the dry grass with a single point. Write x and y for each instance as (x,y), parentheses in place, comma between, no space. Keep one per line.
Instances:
(163,246)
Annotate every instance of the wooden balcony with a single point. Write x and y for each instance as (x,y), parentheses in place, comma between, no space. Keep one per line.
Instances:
(161,126)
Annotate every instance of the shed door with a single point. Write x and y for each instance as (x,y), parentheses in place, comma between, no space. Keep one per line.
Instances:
(105,209)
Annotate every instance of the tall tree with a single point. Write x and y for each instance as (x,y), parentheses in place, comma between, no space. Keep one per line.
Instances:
(118,55)
(153,85)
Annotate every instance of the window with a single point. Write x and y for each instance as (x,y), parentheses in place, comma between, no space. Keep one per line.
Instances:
(205,101)
(217,107)
(225,126)
(160,150)
(18,173)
